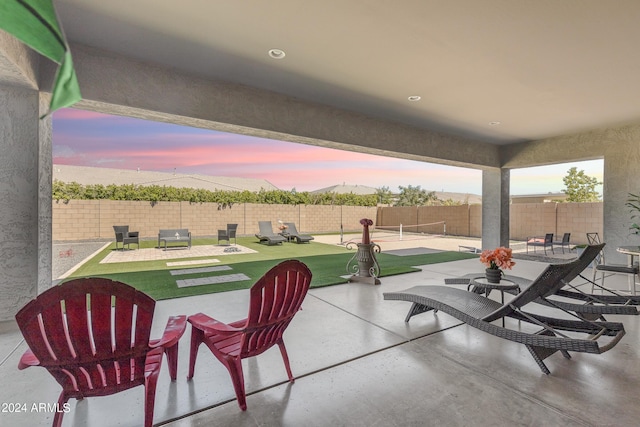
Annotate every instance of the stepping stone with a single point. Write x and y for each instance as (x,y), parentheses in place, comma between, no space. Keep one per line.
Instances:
(212,280)
(200,270)
(194,262)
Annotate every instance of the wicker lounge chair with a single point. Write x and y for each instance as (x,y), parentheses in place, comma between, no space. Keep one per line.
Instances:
(228,234)
(479,312)
(590,306)
(267,235)
(126,237)
(565,242)
(293,233)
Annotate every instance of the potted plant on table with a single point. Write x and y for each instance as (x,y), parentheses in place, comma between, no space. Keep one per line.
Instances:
(495,260)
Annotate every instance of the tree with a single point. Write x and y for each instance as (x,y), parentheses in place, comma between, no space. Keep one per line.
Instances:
(451,202)
(580,187)
(384,195)
(414,196)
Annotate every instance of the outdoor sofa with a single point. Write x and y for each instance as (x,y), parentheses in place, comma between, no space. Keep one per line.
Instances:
(173,236)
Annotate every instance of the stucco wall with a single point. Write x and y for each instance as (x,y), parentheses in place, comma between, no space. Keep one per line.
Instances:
(19,180)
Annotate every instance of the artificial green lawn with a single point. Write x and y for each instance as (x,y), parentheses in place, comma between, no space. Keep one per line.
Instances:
(326,262)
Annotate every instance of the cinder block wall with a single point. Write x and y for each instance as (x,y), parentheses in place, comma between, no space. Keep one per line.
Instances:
(526,219)
(580,219)
(532,219)
(475,220)
(455,217)
(94,219)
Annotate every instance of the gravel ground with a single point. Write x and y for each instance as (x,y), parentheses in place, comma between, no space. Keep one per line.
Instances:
(66,256)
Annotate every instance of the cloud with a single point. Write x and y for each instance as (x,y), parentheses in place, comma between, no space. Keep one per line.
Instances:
(88,138)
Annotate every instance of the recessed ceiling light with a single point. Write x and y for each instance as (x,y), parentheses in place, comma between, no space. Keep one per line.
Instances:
(494,123)
(277,53)
(415,98)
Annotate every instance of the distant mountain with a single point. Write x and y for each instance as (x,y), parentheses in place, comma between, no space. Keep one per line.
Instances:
(467,198)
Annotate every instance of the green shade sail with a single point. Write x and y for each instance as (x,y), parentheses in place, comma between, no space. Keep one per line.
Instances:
(34,22)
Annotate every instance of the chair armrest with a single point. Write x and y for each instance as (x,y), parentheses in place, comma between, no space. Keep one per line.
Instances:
(209,324)
(134,234)
(28,359)
(176,325)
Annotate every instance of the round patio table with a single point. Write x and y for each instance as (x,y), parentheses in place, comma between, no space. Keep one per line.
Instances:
(631,252)
(481,284)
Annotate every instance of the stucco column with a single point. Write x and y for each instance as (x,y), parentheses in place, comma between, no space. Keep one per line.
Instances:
(621,177)
(45,185)
(19,181)
(495,208)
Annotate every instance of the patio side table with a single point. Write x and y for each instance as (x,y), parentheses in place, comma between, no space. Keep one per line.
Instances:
(481,284)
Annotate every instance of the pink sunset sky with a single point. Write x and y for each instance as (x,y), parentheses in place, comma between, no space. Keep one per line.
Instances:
(84,138)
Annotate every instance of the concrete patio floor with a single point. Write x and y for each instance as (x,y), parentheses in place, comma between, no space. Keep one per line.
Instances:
(357,363)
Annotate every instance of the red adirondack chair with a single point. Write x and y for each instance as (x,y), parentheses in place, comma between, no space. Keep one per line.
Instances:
(274,300)
(92,335)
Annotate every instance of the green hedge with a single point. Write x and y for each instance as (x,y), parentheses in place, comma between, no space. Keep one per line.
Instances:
(155,193)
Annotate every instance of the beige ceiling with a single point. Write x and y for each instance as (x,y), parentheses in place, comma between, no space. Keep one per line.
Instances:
(539,67)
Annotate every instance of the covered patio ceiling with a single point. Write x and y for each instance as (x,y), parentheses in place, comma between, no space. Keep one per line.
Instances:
(495,71)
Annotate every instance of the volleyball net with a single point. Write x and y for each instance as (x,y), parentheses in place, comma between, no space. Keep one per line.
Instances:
(409,232)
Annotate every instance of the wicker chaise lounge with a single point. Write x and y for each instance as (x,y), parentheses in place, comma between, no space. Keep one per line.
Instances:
(479,312)
(266,234)
(294,234)
(586,306)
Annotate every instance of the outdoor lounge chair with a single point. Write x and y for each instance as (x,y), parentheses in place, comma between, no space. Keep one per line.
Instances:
(82,333)
(228,234)
(293,233)
(588,307)
(566,237)
(126,237)
(608,302)
(544,242)
(266,234)
(274,301)
(479,311)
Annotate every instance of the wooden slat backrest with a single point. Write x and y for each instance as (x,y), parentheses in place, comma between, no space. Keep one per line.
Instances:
(275,299)
(84,329)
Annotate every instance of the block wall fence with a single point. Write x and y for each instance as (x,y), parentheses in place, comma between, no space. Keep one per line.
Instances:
(526,219)
(94,219)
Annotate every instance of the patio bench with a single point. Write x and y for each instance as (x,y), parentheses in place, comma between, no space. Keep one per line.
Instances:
(174,235)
